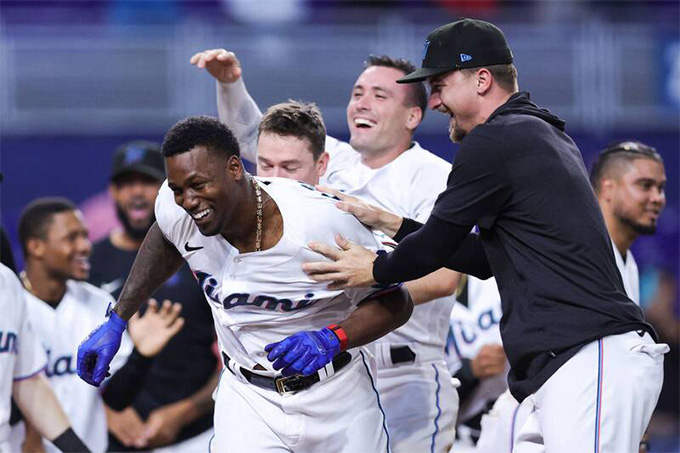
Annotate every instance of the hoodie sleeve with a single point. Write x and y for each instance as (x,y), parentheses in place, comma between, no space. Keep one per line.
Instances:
(478,185)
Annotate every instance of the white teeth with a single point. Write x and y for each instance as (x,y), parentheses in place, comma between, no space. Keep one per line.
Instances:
(200,215)
(364,122)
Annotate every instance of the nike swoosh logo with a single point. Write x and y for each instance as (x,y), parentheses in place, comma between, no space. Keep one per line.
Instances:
(188,248)
(111,287)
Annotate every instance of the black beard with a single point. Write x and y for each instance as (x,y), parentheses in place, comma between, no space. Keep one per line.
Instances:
(135,233)
(642,230)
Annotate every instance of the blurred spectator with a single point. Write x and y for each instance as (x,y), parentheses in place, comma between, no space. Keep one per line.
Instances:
(174,406)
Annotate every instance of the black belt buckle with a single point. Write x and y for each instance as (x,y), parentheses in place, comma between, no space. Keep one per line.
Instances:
(294,383)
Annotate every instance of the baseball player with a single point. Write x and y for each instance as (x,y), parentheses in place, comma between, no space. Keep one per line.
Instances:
(574,340)
(629,181)
(476,352)
(291,383)
(22,360)
(384,166)
(63,308)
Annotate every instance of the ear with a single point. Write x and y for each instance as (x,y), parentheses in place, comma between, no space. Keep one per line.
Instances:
(483,81)
(415,116)
(607,187)
(113,191)
(322,164)
(35,247)
(235,167)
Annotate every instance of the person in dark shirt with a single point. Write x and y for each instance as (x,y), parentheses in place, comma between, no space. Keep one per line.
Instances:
(173,407)
(580,350)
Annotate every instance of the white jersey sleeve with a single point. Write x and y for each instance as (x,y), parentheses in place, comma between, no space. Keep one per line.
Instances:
(21,354)
(239,111)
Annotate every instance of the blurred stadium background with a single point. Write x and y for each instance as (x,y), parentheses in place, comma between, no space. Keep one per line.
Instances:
(78,78)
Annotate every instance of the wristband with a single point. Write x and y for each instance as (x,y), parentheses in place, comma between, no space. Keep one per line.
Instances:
(119,323)
(69,441)
(340,333)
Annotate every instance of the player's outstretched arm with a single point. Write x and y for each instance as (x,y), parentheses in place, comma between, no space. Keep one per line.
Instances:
(157,260)
(40,406)
(235,106)
(307,352)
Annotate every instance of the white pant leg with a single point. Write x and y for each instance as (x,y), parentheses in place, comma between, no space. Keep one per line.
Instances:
(340,414)
(240,420)
(421,405)
(601,400)
(345,413)
(499,427)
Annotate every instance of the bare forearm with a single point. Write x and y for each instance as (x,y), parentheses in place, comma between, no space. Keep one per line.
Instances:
(157,260)
(441,283)
(40,406)
(376,318)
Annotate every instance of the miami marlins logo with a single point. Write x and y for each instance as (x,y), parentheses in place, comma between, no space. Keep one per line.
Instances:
(210,285)
(425,47)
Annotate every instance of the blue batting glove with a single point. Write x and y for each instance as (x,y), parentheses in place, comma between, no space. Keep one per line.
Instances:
(98,348)
(304,352)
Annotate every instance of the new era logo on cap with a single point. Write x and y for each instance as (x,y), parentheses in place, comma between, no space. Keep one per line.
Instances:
(465,57)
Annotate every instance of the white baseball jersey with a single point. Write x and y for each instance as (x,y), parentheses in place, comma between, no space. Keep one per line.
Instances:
(262,297)
(629,272)
(60,331)
(471,328)
(408,186)
(21,355)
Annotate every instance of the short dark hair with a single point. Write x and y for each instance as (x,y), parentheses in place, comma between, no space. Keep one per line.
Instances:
(505,75)
(37,216)
(617,153)
(296,119)
(417,92)
(200,131)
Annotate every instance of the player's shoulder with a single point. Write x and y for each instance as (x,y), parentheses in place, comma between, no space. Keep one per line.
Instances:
(10,291)
(87,293)
(421,163)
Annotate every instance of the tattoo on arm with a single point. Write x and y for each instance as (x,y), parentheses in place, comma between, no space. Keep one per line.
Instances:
(157,260)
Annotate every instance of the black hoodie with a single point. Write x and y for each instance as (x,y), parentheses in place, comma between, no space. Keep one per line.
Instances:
(522,181)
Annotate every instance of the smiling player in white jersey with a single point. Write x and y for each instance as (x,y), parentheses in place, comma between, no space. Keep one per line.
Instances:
(383,166)
(63,309)
(245,239)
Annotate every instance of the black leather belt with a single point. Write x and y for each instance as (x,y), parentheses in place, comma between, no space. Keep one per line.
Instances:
(289,384)
(402,354)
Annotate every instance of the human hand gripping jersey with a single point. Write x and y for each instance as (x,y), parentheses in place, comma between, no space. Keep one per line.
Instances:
(262,297)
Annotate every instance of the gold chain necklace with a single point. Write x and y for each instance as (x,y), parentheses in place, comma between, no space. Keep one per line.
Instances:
(258,232)
(26,281)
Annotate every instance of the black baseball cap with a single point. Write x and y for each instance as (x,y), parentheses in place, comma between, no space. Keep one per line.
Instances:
(139,157)
(467,43)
